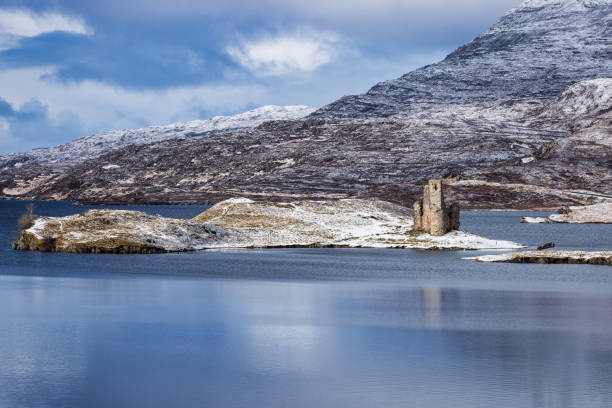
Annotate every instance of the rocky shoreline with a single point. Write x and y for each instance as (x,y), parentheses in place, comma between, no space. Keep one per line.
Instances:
(116,232)
(550,257)
(589,214)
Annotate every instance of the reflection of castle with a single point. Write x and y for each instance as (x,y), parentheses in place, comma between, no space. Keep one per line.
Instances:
(432,215)
(432,301)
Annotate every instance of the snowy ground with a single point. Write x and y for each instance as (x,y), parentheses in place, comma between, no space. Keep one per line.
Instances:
(349,223)
(588,214)
(242,223)
(554,257)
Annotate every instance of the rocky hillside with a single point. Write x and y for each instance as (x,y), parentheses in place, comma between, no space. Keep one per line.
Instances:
(535,51)
(93,146)
(518,118)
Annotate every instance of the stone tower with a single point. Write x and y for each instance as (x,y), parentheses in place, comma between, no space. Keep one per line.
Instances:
(431,213)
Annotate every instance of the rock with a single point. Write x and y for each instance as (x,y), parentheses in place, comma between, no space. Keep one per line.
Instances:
(115,231)
(546,246)
(550,257)
(590,214)
(533,220)
(431,213)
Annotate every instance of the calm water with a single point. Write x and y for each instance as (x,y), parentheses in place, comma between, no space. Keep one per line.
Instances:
(305,328)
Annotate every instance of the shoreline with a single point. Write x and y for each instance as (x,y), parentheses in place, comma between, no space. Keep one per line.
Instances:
(174,203)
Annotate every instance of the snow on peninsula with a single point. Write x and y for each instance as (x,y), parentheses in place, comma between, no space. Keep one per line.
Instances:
(339,223)
(243,223)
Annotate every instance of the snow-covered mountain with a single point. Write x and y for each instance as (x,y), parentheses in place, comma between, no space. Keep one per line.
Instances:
(520,117)
(93,146)
(535,51)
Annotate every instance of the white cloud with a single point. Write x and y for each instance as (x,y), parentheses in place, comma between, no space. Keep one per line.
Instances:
(302,51)
(20,23)
(25,23)
(100,107)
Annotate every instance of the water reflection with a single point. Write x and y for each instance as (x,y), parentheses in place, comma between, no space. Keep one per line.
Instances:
(159,342)
(432,299)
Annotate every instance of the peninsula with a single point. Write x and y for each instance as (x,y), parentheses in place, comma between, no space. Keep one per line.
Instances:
(244,223)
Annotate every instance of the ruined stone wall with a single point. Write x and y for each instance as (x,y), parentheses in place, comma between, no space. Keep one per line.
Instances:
(431,213)
(453,217)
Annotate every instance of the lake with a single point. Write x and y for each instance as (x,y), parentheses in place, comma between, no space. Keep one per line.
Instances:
(306,327)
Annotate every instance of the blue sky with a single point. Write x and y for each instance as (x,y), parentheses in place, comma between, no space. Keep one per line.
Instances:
(70,68)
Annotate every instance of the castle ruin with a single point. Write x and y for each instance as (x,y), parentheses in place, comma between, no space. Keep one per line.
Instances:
(431,213)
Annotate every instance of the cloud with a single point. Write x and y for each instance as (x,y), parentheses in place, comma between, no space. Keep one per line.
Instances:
(16,24)
(302,51)
(31,125)
(26,23)
(6,109)
(354,12)
(148,57)
(35,112)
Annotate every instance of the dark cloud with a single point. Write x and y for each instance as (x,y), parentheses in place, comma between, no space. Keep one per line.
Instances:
(6,110)
(129,59)
(30,126)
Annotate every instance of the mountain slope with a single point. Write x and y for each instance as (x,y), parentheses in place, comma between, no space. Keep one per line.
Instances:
(490,164)
(535,51)
(98,144)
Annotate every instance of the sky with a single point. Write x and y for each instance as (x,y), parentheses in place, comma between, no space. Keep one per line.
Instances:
(71,68)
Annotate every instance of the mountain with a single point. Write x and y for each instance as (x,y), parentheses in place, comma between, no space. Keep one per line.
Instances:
(535,51)
(520,117)
(93,146)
